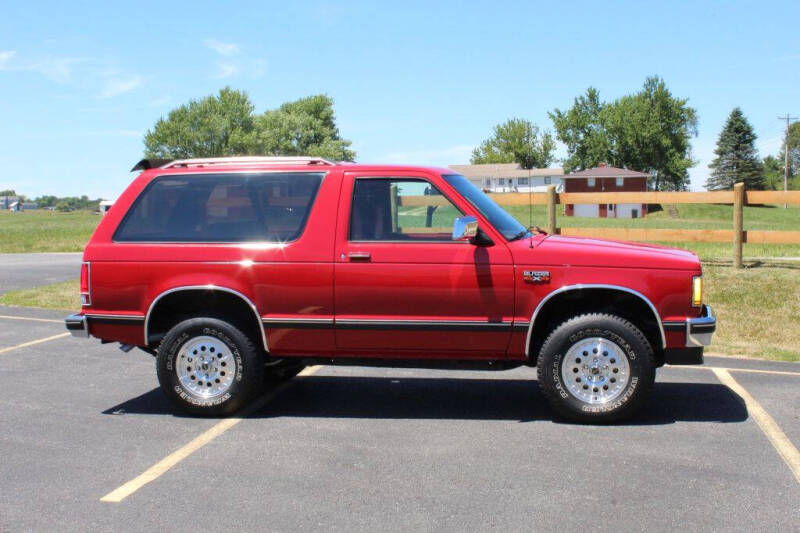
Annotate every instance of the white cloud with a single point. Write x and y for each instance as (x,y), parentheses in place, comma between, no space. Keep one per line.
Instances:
(5,57)
(452,155)
(57,69)
(115,87)
(224,49)
(226,70)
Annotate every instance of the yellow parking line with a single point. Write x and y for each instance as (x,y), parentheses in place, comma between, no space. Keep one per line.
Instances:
(158,469)
(771,429)
(31,343)
(9,317)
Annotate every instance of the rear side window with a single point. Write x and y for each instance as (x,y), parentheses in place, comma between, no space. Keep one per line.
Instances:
(221,208)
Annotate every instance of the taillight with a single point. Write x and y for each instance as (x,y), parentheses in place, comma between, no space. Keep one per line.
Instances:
(86,293)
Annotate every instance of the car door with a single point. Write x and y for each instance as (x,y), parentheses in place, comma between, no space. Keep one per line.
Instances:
(402,286)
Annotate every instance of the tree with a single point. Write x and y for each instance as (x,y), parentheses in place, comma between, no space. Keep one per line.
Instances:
(773,173)
(737,159)
(516,141)
(303,127)
(648,131)
(225,125)
(8,192)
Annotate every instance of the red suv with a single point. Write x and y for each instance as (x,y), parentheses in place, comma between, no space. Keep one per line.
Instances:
(231,271)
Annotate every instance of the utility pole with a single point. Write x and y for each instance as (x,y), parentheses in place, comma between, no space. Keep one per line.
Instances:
(789,119)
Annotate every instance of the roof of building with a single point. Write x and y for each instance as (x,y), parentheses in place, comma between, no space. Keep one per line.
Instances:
(504,170)
(605,171)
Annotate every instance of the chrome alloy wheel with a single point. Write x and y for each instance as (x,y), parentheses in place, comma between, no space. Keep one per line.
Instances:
(205,366)
(595,370)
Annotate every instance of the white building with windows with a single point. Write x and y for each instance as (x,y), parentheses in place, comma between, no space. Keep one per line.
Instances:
(510,177)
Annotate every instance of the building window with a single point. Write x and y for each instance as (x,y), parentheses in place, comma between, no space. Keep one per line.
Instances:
(619,182)
(522,181)
(547,180)
(488,182)
(590,182)
(502,181)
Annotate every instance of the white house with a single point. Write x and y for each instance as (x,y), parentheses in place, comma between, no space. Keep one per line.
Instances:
(105,205)
(510,177)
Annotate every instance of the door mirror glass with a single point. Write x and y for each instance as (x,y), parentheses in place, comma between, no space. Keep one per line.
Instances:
(465,228)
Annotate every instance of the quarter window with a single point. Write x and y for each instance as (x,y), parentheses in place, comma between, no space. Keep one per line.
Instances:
(400,209)
(222,208)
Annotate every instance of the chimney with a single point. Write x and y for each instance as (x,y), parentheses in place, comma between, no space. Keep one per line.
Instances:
(601,165)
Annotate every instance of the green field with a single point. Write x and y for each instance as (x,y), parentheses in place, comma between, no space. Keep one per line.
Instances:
(45,231)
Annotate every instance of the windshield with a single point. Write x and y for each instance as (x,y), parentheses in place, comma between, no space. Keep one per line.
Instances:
(499,218)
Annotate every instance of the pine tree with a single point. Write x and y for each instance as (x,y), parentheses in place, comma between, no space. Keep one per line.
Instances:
(737,159)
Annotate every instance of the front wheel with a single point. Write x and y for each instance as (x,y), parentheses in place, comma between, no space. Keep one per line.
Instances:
(208,367)
(596,368)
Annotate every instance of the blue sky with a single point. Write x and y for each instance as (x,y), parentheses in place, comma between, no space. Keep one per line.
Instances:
(81,82)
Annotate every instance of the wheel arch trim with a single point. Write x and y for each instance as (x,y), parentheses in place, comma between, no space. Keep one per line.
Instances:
(578,287)
(219,288)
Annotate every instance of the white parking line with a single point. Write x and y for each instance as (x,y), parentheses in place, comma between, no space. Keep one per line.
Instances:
(9,317)
(158,469)
(730,369)
(31,343)
(784,447)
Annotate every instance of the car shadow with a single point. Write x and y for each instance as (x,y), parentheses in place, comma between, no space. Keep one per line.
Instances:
(457,399)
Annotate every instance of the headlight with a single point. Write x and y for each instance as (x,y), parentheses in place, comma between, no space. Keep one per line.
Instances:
(697,291)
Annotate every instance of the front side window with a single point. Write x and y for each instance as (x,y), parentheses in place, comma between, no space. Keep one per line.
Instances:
(269,207)
(400,209)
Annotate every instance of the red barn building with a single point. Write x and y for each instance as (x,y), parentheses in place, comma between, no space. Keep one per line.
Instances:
(606,179)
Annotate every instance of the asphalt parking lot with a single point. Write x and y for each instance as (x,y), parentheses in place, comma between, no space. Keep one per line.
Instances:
(89,442)
(22,271)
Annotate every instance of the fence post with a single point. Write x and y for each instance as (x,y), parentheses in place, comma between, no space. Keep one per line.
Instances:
(738,233)
(551,209)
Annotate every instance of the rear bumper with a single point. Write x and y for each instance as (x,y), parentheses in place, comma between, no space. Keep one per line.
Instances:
(77,325)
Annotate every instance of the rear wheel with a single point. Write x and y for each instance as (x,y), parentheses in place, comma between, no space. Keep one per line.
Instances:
(596,368)
(208,367)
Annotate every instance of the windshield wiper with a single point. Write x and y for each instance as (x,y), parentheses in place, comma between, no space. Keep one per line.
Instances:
(518,236)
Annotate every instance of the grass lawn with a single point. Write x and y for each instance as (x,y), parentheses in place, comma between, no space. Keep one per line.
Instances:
(46,231)
(64,295)
(757,308)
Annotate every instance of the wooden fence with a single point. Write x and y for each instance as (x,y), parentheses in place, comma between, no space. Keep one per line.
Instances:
(738,197)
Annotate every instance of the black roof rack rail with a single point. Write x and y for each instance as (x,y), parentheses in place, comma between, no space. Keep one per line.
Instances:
(146,164)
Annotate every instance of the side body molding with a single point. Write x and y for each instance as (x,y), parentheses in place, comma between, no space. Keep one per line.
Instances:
(593,286)
(241,296)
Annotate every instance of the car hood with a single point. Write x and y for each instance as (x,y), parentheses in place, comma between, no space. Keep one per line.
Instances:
(587,251)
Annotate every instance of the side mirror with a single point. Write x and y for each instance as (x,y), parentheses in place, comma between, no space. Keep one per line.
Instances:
(465,228)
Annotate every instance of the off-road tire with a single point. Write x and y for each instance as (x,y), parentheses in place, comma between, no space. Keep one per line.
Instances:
(242,353)
(569,335)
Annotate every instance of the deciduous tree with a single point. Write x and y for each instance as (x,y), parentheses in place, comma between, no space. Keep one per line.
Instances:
(516,141)
(649,131)
(225,125)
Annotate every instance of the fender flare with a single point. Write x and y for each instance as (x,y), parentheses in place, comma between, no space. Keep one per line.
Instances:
(578,287)
(236,293)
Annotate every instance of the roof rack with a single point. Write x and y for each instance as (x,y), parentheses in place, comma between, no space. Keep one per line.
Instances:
(249,160)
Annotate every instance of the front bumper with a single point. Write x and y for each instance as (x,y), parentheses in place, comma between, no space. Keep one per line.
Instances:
(699,330)
(77,325)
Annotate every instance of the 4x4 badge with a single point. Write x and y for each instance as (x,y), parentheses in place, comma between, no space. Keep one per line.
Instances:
(536,276)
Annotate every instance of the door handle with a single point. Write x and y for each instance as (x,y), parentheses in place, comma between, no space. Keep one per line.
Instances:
(359,256)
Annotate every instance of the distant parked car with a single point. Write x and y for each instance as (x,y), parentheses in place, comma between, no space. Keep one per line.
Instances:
(234,270)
